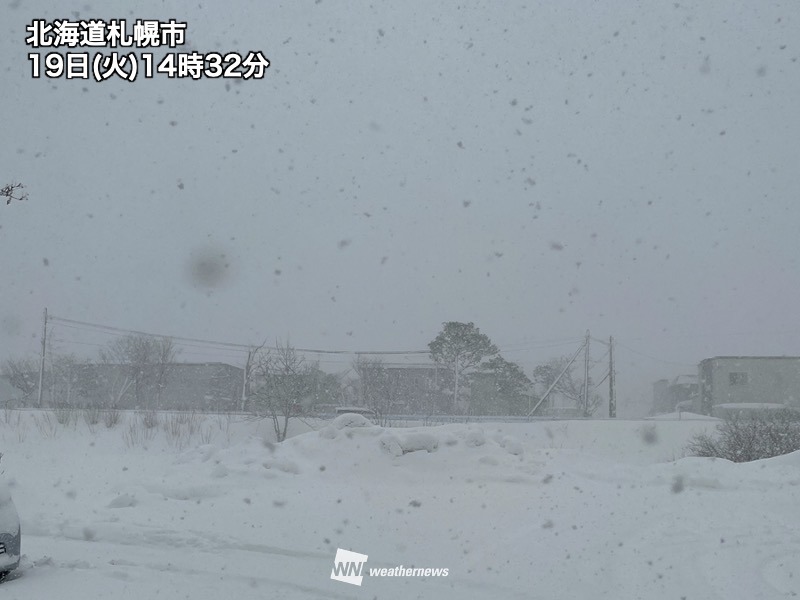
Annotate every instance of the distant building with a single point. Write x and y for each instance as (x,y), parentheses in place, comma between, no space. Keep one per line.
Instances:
(8,393)
(659,393)
(677,394)
(418,387)
(767,380)
(403,388)
(210,386)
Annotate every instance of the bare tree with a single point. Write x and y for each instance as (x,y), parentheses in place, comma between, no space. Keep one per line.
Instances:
(383,388)
(568,386)
(372,389)
(164,366)
(326,388)
(13,191)
(23,374)
(145,363)
(285,381)
(588,405)
(71,380)
(117,386)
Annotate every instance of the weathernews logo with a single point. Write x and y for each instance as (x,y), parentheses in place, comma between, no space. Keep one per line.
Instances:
(348,567)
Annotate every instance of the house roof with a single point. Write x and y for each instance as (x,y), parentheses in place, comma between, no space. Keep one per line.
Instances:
(203,364)
(752,357)
(177,364)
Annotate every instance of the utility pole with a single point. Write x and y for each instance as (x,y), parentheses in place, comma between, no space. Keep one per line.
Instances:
(586,374)
(557,379)
(455,389)
(41,366)
(248,366)
(248,375)
(612,399)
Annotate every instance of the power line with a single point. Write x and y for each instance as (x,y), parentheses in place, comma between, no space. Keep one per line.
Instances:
(596,362)
(655,358)
(206,344)
(572,342)
(602,380)
(182,343)
(532,344)
(119,330)
(694,335)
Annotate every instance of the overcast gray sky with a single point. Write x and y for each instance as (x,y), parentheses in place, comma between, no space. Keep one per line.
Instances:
(540,169)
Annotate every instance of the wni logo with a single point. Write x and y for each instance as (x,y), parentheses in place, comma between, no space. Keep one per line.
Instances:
(348,567)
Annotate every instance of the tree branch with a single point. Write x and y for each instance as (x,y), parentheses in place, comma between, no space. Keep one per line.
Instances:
(13,191)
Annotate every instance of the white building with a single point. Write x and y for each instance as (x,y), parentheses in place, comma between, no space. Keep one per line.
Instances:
(764,380)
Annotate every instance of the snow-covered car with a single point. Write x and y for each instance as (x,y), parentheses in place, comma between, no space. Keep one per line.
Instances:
(357,410)
(10,536)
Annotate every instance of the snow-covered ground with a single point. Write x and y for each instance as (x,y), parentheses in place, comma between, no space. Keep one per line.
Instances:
(565,509)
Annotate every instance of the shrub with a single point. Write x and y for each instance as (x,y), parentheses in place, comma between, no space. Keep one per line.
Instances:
(149,419)
(137,434)
(112,417)
(206,435)
(66,415)
(742,438)
(91,414)
(46,425)
(177,436)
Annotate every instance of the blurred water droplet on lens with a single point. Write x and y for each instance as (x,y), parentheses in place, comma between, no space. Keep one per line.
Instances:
(208,267)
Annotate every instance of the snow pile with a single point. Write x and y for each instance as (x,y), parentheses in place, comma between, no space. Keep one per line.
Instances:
(353,436)
(398,444)
(588,509)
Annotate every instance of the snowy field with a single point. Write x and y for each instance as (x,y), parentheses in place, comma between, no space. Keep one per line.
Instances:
(208,507)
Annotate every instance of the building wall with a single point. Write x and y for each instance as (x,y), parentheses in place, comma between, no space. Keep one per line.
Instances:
(187,386)
(209,387)
(667,395)
(660,400)
(418,388)
(768,380)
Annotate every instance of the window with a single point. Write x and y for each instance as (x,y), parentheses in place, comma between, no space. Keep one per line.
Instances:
(737,378)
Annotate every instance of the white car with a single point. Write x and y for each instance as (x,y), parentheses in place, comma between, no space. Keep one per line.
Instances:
(10,535)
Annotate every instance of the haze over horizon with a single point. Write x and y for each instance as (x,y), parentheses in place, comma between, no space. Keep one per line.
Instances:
(538,170)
